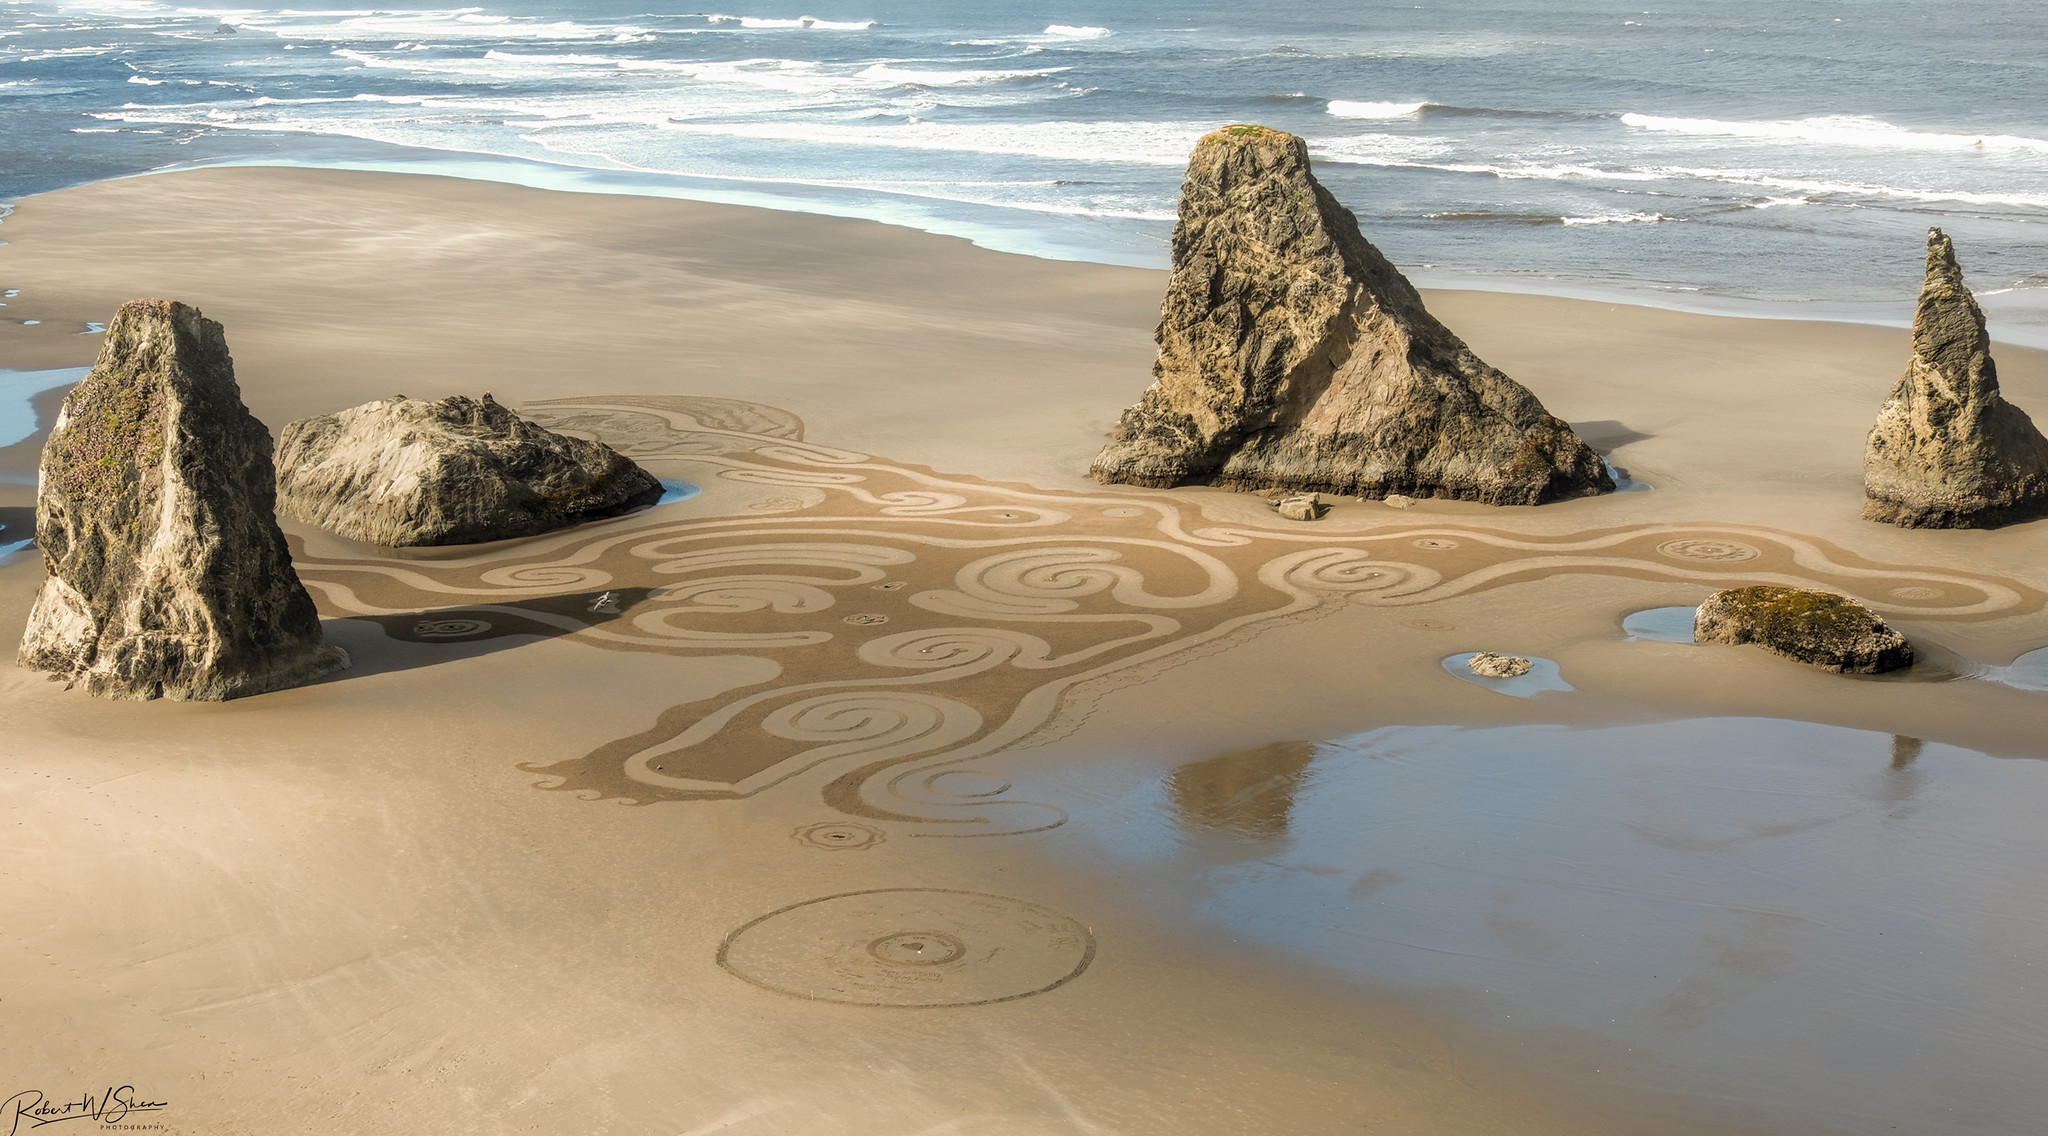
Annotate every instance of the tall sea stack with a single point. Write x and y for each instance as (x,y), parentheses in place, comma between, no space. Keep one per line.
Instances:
(1948,452)
(1293,355)
(168,577)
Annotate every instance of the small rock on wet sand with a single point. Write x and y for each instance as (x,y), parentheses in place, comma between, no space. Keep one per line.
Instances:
(1486,664)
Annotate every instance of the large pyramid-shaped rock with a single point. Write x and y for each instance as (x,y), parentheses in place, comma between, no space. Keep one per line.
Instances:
(1293,355)
(168,576)
(406,471)
(1948,452)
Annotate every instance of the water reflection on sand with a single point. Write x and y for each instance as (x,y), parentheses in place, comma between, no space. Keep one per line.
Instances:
(1821,928)
(1248,793)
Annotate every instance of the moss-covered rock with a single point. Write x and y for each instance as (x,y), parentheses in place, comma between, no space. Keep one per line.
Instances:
(1293,355)
(167,575)
(1829,631)
(403,472)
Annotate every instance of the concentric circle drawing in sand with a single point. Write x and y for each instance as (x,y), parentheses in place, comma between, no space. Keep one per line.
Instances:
(838,835)
(449,628)
(912,947)
(1721,550)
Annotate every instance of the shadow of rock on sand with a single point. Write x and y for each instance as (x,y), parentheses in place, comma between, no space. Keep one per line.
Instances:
(1607,434)
(467,632)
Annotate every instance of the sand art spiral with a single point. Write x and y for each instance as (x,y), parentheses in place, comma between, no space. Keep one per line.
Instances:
(921,621)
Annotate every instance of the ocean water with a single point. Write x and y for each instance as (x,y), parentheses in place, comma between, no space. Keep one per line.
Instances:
(1775,157)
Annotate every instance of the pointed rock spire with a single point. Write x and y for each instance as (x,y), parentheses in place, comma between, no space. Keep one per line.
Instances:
(1293,355)
(1948,451)
(168,576)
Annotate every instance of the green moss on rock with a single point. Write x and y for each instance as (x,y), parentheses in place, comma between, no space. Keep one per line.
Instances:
(1824,629)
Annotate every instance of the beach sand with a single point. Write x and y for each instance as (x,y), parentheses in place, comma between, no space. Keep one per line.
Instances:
(900,680)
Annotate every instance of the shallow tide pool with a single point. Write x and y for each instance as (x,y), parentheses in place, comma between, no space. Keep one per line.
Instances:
(18,390)
(1813,928)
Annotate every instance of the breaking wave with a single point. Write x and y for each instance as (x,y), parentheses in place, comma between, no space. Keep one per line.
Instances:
(1344,108)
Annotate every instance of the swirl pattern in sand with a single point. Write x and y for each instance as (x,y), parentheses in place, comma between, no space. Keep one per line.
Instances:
(921,621)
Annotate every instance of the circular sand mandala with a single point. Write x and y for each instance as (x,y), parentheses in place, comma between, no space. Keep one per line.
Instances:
(1702,548)
(919,947)
(839,834)
(449,628)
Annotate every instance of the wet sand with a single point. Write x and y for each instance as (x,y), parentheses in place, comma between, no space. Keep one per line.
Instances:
(908,791)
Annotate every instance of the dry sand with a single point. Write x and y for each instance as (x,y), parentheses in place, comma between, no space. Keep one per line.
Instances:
(896,616)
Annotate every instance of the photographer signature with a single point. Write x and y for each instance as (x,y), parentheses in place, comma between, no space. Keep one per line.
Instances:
(30,1110)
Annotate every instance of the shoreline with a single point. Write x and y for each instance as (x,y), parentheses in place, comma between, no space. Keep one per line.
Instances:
(358,896)
(2018,317)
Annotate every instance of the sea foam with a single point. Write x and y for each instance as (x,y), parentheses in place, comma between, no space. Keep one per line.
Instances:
(1836,130)
(766,23)
(891,74)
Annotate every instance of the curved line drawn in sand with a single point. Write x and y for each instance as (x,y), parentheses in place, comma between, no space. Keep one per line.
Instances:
(910,948)
(924,621)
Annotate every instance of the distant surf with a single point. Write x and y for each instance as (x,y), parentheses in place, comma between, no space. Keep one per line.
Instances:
(1346,109)
(1789,163)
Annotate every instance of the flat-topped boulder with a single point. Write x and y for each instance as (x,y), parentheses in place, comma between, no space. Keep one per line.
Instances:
(1823,629)
(168,576)
(1293,355)
(403,472)
(1948,452)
